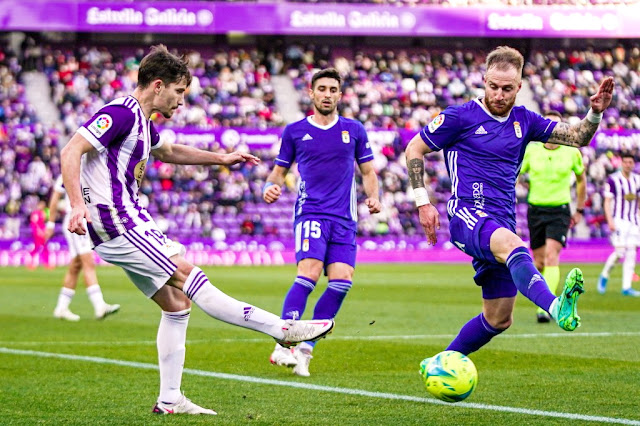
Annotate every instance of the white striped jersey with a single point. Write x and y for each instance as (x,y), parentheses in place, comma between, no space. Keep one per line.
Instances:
(625,193)
(111,174)
(326,157)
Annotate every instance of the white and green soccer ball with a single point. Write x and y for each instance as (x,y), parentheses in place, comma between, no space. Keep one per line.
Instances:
(449,376)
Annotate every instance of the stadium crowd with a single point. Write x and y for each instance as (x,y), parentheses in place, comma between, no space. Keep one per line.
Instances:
(232,87)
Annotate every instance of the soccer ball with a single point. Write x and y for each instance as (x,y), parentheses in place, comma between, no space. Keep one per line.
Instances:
(449,376)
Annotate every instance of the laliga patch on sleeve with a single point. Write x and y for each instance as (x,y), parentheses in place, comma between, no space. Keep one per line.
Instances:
(436,122)
(100,125)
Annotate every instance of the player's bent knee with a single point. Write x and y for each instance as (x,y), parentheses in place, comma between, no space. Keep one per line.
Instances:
(310,268)
(501,324)
(171,299)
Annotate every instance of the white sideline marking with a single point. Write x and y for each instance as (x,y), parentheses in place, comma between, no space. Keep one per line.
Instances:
(348,391)
(333,337)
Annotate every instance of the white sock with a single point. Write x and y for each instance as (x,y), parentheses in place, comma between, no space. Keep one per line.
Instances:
(611,261)
(64,298)
(305,347)
(172,337)
(95,296)
(628,267)
(553,308)
(225,308)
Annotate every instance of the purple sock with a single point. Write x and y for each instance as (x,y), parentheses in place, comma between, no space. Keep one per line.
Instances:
(473,335)
(329,303)
(295,301)
(528,279)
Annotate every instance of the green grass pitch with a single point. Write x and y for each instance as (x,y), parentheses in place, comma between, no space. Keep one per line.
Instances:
(365,373)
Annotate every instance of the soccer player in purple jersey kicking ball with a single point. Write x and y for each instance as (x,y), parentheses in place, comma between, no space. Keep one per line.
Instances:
(484,141)
(326,148)
(102,167)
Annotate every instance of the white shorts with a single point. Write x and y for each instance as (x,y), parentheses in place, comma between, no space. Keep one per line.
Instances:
(627,234)
(78,244)
(144,253)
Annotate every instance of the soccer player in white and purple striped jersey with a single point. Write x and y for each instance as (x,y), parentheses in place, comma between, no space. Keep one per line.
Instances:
(102,167)
(484,142)
(621,194)
(326,148)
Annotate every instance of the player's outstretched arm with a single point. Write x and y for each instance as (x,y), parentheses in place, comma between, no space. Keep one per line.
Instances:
(183,154)
(429,218)
(370,184)
(580,134)
(70,157)
(273,188)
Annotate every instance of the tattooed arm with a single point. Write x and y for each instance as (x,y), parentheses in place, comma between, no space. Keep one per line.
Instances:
(429,218)
(580,134)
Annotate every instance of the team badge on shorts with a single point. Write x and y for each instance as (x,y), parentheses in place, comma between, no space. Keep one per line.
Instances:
(345,136)
(305,245)
(516,127)
(436,122)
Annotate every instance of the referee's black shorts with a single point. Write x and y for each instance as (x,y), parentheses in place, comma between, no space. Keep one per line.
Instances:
(548,222)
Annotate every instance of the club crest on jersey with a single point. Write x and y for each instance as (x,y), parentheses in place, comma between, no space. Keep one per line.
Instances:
(630,197)
(436,122)
(517,128)
(345,136)
(100,125)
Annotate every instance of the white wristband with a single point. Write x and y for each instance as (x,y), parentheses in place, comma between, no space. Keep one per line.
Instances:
(51,225)
(594,117)
(421,196)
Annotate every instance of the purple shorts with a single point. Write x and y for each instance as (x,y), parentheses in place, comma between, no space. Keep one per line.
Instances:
(327,240)
(471,231)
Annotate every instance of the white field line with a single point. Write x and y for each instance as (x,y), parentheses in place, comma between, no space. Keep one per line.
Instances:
(347,391)
(332,337)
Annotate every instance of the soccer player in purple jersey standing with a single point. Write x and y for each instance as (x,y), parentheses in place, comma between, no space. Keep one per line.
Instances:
(102,167)
(621,194)
(326,147)
(484,141)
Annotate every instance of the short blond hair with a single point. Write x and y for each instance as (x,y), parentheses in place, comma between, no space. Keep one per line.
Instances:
(503,57)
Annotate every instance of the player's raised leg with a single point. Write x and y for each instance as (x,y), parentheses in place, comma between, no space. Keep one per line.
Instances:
(532,285)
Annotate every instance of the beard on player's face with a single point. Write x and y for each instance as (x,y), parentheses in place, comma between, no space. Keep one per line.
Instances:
(323,107)
(500,108)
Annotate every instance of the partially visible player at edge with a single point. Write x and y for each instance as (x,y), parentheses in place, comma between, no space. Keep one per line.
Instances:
(326,148)
(81,260)
(549,218)
(484,141)
(621,194)
(102,167)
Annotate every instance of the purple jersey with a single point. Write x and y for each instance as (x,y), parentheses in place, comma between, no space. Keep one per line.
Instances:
(111,175)
(325,157)
(625,193)
(483,154)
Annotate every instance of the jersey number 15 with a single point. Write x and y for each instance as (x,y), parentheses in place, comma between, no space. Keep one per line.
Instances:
(304,231)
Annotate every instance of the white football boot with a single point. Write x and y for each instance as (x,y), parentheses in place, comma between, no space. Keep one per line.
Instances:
(283,356)
(304,358)
(106,310)
(65,314)
(301,331)
(182,406)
